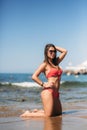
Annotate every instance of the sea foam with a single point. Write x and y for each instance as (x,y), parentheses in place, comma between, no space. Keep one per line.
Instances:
(21,84)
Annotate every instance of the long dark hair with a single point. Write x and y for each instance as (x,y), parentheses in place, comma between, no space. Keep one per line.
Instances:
(54,61)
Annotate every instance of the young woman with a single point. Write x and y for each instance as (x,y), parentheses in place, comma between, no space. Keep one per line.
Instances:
(50,92)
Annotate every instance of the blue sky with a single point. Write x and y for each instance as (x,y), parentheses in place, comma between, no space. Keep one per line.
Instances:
(26,26)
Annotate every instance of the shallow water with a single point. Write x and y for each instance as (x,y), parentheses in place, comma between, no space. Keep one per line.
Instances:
(54,123)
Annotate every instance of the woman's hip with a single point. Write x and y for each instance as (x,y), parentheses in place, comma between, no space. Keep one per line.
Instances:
(52,91)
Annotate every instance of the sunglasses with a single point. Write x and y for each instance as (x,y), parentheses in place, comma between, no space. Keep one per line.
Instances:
(52,51)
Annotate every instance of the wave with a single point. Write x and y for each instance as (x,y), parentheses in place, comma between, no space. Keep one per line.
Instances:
(33,84)
(73,84)
(21,84)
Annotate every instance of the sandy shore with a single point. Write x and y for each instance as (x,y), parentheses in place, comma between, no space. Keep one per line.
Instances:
(74,117)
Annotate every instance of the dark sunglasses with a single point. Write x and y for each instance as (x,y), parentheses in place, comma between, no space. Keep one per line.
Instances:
(52,51)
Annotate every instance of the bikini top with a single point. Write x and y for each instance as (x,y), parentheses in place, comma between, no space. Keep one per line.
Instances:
(54,73)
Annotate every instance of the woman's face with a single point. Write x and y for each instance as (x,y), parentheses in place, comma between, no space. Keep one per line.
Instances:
(51,53)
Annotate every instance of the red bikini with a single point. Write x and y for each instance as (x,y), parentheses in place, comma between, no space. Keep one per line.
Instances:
(53,91)
(54,73)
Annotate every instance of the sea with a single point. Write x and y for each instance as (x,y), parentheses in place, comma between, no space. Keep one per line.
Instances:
(18,92)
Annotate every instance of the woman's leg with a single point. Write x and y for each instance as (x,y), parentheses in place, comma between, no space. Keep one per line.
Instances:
(57,104)
(52,106)
(57,107)
(34,113)
(48,102)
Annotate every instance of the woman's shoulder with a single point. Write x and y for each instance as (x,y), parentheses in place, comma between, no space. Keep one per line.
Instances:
(43,64)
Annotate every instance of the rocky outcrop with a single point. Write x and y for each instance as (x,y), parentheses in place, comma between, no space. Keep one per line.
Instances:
(76,70)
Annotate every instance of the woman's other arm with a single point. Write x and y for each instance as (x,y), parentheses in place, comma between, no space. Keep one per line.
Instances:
(37,73)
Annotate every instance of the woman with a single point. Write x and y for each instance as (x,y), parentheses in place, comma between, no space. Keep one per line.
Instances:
(50,92)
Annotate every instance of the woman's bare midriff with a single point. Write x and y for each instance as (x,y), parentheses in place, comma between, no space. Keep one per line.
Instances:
(55,81)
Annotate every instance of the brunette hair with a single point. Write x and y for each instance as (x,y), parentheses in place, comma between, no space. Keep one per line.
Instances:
(54,61)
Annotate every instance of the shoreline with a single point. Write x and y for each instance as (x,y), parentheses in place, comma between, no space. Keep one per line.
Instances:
(67,109)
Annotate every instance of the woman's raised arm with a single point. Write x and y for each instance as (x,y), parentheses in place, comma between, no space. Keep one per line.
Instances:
(62,51)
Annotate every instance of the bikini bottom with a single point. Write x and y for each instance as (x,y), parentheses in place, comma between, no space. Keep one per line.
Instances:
(54,92)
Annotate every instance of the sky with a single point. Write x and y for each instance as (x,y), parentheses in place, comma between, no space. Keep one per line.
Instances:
(26,26)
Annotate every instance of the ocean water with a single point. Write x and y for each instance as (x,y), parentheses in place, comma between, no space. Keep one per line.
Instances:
(20,92)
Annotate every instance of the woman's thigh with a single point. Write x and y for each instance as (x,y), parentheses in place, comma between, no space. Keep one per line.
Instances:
(48,102)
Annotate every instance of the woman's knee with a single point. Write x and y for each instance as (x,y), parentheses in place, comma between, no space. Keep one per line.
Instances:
(48,114)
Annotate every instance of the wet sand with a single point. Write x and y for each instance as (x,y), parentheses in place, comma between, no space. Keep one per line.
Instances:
(74,117)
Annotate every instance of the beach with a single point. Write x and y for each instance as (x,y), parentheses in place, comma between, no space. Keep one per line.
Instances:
(19,93)
(74,117)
